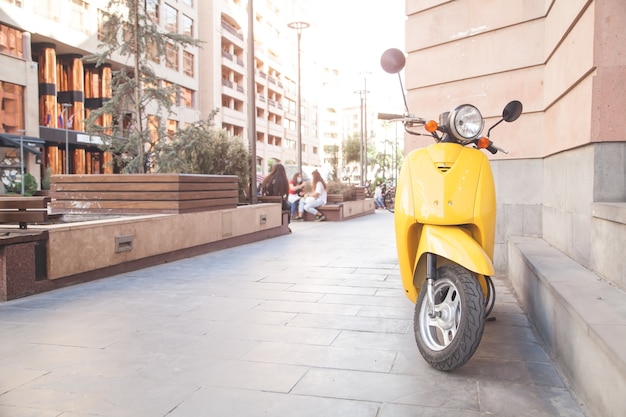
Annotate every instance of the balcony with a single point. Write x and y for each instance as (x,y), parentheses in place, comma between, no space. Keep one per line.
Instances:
(231,30)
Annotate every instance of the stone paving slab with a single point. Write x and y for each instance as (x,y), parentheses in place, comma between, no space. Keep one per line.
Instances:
(314,323)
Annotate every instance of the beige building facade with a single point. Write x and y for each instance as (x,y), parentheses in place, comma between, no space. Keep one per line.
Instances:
(564,176)
(224,78)
(42,51)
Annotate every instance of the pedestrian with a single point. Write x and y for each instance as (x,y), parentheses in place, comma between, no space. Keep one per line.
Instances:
(296,191)
(379,199)
(277,184)
(314,199)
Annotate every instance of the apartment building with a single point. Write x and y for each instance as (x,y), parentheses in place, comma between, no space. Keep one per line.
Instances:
(48,89)
(224,81)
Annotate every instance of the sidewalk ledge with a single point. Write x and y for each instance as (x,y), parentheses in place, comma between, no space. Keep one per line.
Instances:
(581,318)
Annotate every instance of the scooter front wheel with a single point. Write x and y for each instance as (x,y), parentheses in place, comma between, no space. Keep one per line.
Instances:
(448,338)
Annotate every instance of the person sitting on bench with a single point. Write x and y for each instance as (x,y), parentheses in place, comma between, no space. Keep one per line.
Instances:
(314,199)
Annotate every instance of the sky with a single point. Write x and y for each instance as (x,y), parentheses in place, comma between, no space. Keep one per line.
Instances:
(351,35)
(355,32)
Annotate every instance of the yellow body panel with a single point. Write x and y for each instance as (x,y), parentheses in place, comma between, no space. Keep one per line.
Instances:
(445,204)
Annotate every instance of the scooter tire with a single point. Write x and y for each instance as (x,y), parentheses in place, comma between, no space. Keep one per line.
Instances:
(449,341)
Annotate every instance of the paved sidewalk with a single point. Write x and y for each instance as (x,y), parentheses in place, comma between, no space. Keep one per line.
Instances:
(309,324)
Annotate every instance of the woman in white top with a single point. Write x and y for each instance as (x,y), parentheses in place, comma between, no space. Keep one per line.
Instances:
(314,199)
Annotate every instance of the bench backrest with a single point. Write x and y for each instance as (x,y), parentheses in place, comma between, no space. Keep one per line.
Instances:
(24,210)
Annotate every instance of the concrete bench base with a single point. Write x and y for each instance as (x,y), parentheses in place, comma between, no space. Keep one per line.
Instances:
(581,319)
(344,210)
(333,213)
(45,257)
(22,261)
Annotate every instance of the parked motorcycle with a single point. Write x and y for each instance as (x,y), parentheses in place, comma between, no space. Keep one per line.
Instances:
(445,212)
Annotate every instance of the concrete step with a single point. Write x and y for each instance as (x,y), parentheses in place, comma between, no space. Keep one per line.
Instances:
(581,319)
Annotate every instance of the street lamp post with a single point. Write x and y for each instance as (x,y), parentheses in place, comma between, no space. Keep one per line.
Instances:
(299,27)
(66,107)
(365,122)
(363,146)
(22,132)
(252,134)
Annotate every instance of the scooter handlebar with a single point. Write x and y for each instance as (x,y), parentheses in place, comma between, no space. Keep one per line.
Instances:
(412,121)
(493,149)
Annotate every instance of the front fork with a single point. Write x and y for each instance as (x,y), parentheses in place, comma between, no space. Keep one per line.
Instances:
(431,276)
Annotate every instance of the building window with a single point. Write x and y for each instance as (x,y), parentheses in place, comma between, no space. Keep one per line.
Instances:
(188,2)
(11,107)
(152,9)
(290,144)
(153,127)
(171,19)
(174,92)
(10,41)
(171,52)
(151,51)
(79,16)
(188,63)
(18,3)
(186,97)
(187,26)
(172,127)
(102,16)
(49,9)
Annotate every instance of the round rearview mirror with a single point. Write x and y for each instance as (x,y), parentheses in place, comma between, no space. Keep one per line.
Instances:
(512,111)
(392,60)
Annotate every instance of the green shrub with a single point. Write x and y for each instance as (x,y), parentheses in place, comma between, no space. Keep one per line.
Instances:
(338,187)
(30,184)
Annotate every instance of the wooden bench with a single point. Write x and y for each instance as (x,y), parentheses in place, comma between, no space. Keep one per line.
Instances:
(270,199)
(24,210)
(143,193)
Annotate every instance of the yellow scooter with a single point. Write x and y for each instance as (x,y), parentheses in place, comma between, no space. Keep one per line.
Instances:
(445,213)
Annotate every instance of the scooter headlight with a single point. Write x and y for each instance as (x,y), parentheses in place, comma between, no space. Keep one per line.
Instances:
(466,122)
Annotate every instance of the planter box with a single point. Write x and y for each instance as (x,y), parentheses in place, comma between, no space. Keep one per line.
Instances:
(358,193)
(336,198)
(142,193)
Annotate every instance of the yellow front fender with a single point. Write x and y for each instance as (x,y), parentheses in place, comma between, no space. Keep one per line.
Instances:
(457,245)
(452,243)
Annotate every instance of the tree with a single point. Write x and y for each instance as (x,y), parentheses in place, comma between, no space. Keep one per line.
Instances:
(200,148)
(139,103)
(333,159)
(351,149)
